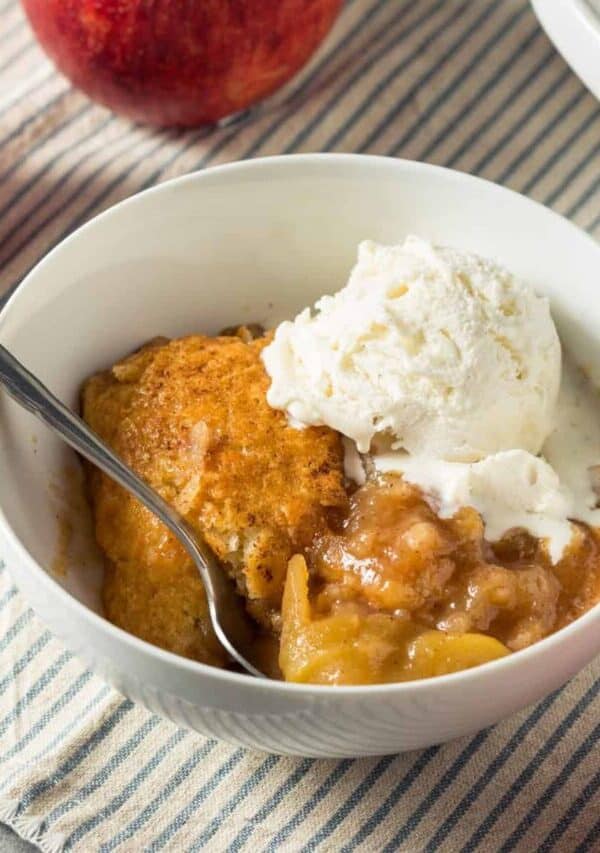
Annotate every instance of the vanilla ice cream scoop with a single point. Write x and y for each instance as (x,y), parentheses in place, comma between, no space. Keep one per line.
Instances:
(443,351)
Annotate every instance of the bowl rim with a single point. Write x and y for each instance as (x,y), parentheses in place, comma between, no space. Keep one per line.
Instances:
(240,679)
(574,30)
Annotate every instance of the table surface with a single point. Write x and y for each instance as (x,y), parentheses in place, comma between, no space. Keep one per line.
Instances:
(475,86)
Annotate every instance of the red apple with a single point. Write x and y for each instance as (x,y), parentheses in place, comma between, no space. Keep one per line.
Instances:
(180,62)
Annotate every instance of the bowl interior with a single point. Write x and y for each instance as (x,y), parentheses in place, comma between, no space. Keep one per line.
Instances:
(255,241)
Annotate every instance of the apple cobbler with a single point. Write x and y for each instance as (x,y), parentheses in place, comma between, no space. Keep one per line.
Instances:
(347,584)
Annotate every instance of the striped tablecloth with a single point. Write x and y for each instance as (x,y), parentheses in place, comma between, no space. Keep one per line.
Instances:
(472,85)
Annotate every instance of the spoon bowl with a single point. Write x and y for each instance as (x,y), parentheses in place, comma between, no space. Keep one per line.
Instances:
(229,619)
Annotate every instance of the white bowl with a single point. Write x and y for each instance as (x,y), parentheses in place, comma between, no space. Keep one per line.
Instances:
(257,241)
(574,28)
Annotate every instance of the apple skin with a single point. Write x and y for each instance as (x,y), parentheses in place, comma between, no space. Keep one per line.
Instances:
(180,62)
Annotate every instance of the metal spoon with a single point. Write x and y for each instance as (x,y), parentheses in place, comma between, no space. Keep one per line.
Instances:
(229,619)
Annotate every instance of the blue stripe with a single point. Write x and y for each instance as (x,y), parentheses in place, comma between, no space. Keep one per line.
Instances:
(434,69)
(148,811)
(19,25)
(584,799)
(84,215)
(58,739)
(23,93)
(551,161)
(13,632)
(546,798)
(589,843)
(442,98)
(548,94)
(131,788)
(595,222)
(57,184)
(438,789)
(212,152)
(249,785)
(193,139)
(321,792)
(24,661)
(43,140)
(17,131)
(349,38)
(293,779)
(47,717)
(208,788)
(133,143)
(34,691)
(82,159)
(575,207)
(569,179)
(10,7)
(531,77)
(380,814)
(381,53)
(23,49)
(491,770)
(573,174)
(64,179)
(542,134)
(81,753)
(82,186)
(356,797)
(482,92)
(527,774)
(7,597)
(104,774)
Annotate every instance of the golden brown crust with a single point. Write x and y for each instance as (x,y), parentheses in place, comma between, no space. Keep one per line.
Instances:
(191,417)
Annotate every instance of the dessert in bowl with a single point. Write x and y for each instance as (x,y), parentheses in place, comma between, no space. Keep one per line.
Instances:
(395,579)
(425,533)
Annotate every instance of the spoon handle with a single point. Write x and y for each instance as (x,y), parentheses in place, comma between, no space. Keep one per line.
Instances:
(27,390)
(30,393)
